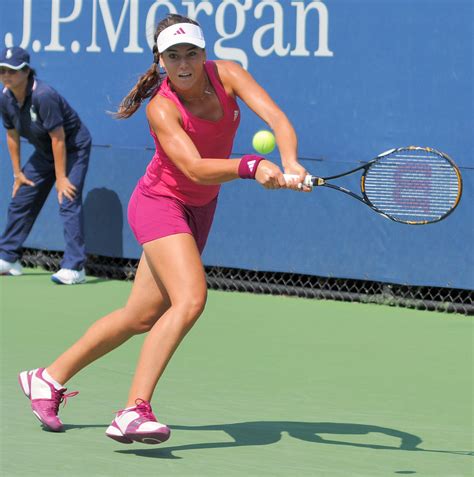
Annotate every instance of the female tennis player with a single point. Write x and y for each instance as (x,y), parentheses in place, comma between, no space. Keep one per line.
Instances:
(193,116)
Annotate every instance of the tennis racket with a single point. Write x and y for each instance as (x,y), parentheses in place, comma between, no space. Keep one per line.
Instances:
(411,185)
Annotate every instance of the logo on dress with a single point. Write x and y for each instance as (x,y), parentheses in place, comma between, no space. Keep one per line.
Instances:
(180,31)
(33,114)
(236,114)
(9,53)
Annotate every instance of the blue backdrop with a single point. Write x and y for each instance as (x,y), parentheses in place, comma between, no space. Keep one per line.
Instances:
(356,77)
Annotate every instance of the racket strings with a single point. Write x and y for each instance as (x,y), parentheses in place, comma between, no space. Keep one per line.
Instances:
(413,186)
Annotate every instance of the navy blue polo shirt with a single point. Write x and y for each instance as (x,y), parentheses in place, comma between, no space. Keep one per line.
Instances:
(44,110)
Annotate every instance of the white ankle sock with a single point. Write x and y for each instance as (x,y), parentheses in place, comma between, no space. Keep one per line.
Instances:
(50,380)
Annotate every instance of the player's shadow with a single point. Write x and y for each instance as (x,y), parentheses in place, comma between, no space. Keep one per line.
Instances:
(69,427)
(261,433)
(103,223)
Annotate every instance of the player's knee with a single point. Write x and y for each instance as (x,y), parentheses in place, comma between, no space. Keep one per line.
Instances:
(144,325)
(196,306)
(192,307)
(138,323)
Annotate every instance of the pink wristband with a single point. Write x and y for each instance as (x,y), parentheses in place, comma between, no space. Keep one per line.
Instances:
(248,166)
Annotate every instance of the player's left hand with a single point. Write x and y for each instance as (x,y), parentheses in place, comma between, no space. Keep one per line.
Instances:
(270,176)
(65,189)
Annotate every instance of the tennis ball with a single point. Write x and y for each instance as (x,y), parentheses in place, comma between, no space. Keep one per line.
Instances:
(263,142)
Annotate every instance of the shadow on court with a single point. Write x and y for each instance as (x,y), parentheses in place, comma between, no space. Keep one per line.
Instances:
(94,281)
(70,427)
(261,433)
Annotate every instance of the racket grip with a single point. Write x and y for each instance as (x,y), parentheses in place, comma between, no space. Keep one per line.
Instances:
(292,178)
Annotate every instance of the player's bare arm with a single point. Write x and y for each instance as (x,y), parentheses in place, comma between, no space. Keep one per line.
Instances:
(165,121)
(240,83)
(243,85)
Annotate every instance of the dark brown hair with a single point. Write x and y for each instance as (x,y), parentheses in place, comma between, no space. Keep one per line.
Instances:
(31,71)
(149,81)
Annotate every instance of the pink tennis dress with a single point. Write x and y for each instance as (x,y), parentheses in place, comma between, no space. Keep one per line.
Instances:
(165,201)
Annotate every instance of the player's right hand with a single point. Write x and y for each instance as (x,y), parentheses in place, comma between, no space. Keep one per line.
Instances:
(270,176)
(20,180)
(297,183)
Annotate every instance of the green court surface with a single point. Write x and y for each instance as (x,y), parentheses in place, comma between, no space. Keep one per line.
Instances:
(262,386)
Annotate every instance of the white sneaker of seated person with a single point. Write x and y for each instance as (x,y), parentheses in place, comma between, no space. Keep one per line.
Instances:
(10,268)
(66,276)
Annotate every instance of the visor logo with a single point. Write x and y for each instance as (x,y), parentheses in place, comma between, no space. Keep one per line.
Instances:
(180,31)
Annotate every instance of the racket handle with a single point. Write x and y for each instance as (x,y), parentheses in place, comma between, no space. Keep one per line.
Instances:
(292,178)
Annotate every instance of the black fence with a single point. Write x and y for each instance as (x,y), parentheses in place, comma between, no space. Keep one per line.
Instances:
(449,300)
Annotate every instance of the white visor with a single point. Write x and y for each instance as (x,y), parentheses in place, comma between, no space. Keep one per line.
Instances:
(180,33)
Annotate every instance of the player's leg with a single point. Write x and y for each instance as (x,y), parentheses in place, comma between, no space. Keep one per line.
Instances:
(176,263)
(45,387)
(146,303)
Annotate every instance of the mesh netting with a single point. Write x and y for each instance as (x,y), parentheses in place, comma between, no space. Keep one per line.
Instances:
(451,300)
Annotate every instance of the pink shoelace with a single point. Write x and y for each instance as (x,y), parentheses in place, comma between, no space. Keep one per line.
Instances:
(59,396)
(143,408)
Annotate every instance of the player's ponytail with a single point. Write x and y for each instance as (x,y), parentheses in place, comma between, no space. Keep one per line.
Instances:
(144,88)
(150,81)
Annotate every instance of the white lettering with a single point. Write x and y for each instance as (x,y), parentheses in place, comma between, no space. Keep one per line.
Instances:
(276,26)
(93,47)
(150,25)
(301,32)
(56,19)
(9,41)
(226,53)
(193,10)
(112,32)
(133,46)
(301,13)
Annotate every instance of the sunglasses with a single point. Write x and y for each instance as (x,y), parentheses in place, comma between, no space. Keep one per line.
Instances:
(8,71)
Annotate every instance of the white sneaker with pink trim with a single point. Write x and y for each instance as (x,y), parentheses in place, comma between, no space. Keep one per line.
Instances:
(138,424)
(45,397)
